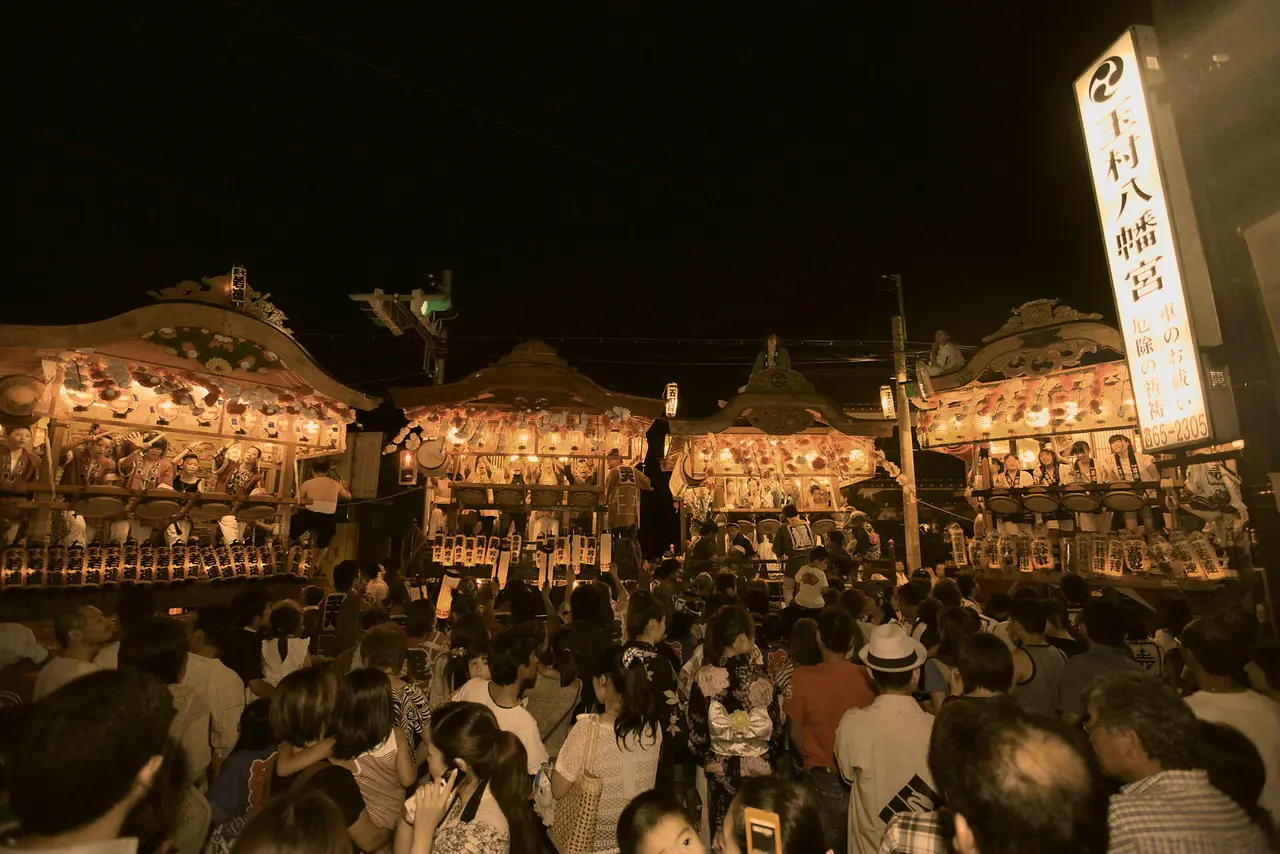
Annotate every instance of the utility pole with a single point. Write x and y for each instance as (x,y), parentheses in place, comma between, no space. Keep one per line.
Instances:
(906,445)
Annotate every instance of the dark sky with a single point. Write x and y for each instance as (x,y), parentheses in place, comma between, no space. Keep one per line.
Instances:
(705,170)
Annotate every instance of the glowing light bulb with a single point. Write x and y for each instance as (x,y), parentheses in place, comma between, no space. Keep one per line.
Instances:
(531,458)
(985,422)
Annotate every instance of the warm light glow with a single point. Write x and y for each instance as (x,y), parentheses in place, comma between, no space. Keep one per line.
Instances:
(726,455)
(166,409)
(1238,444)
(1038,418)
(453,436)
(1138,234)
(79,398)
(531,458)
(513,458)
(1073,410)
(999,449)
(1029,457)
(672,396)
(310,427)
(524,439)
(887,405)
(985,422)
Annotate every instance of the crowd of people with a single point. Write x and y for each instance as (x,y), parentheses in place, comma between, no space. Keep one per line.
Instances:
(864,716)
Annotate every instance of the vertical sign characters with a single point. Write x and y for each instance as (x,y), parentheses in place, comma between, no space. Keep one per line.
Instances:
(1137,231)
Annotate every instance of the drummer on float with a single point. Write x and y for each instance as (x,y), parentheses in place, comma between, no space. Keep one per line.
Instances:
(144,468)
(91,463)
(1012,476)
(237,477)
(188,480)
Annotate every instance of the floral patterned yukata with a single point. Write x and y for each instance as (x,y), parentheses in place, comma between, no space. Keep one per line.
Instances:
(734,727)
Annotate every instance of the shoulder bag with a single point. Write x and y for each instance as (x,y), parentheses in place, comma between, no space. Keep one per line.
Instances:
(574,831)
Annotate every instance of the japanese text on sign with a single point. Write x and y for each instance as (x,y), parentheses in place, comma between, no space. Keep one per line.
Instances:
(1146,273)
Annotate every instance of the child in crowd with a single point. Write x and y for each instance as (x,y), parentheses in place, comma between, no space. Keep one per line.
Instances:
(371,747)
(285,650)
(233,793)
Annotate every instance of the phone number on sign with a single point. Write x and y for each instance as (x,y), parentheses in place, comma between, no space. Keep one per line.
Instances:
(1188,429)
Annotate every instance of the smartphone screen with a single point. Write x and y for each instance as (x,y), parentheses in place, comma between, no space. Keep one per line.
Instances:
(764,831)
(175,612)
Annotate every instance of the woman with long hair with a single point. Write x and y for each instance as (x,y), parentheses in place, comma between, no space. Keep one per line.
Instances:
(371,746)
(646,626)
(956,624)
(478,799)
(734,714)
(627,736)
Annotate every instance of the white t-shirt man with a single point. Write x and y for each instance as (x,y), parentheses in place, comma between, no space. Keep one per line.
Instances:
(58,672)
(1258,717)
(883,752)
(515,720)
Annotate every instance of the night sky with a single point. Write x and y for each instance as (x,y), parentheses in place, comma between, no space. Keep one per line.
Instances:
(700,170)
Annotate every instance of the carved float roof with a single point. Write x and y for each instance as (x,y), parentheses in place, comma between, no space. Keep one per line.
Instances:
(780,402)
(531,377)
(1040,337)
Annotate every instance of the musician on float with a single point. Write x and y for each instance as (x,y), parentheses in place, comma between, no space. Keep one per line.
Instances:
(1083,469)
(1049,470)
(143,468)
(1126,465)
(91,463)
(188,480)
(1012,476)
(237,477)
(21,469)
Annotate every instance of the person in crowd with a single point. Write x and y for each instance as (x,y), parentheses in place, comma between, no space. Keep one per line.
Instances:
(1037,666)
(666,588)
(557,689)
(655,822)
(820,696)
(802,651)
(319,516)
(370,745)
(240,785)
(1216,650)
(1236,769)
(242,651)
(1263,670)
(374,587)
(18,644)
(792,545)
(303,709)
(947,592)
(798,810)
(702,552)
(1075,589)
(628,739)
(305,822)
(513,666)
(341,609)
(1013,782)
(479,796)
(97,751)
(593,621)
(158,646)
(882,750)
(134,604)
(1145,736)
(647,629)
(468,658)
(957,624)
(1104,629)
(1058,629)
(968,591)
(984,668)
(213,680)
(284,650)
(807,600)
(349,659)
(838,557)
(910,597)
(1172,616)
(384,649)
(81,632)
(734,714)
(427,641)
(312,616)
(1001,628)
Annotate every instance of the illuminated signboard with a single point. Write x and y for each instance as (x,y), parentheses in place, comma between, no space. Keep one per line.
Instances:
(1147,274)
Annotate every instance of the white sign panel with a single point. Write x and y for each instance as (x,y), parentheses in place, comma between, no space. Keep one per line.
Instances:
(1138,233)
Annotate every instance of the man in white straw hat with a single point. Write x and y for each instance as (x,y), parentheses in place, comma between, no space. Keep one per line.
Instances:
(883,749)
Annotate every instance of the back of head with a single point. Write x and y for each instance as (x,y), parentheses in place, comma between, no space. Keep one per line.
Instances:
(998,605)
(796,806)
(384,648)
(790,511)
(757,600)
(286,620)
(370,570)
(955,625)
(645,812)
(157,645)
(967,584)
(642,609)
(364,712)
(344,575)
(255,726)
(628,671)
(65,622)
(1019,782)
(913,593)
(1173,614)
(320,466)
(247,607)
(510,651)
(420,618)
(1234,766)
(818,554)
(836,629)
(562,654)
(948,593)
(588,604)
(1150,708)
(81,754)
(312,595)
(667,570)
(1030,614)
(375,616)
(723,629)
(303,706)
(134,604)
(1074,589)
(1104,622)
(804,649)
(216,623)
(984,662)
(1218,645)
(297,822)
(854,601)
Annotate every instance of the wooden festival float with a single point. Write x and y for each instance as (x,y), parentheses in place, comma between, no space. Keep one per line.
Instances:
(163,444)
(777,442)
(1043,417)
(527,457)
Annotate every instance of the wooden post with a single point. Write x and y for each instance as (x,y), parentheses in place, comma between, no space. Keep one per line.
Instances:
(285,489)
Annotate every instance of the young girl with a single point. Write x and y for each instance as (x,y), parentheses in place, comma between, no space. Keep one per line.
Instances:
(478,799)
(468,658)
(371,747)
(656,822)
(286,650)
(557,690)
